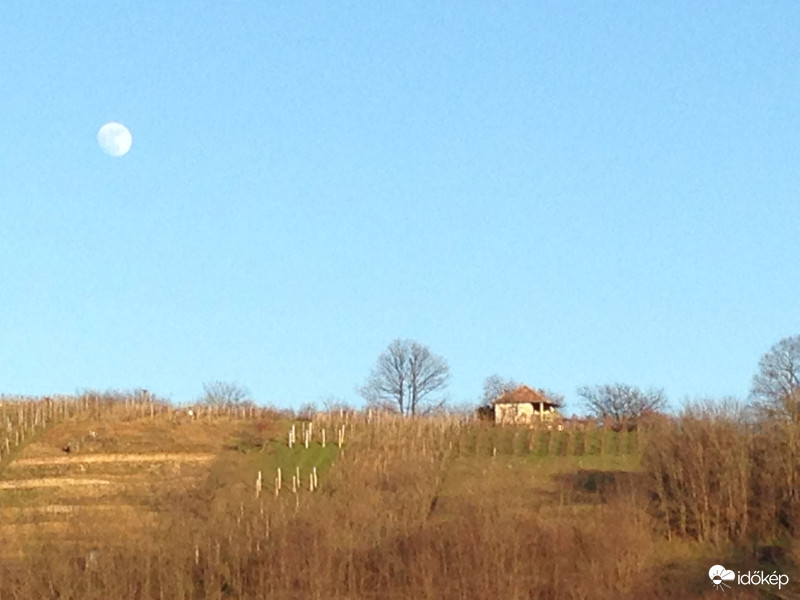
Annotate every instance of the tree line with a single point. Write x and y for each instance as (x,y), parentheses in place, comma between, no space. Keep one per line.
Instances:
(410,380)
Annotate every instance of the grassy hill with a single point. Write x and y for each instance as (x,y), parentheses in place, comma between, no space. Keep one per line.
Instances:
(123,497)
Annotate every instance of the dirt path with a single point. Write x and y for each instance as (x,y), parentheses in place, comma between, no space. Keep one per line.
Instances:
(113,458)
(68,509)
(49,482)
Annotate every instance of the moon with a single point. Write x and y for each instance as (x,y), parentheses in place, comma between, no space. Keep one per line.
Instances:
(115,139)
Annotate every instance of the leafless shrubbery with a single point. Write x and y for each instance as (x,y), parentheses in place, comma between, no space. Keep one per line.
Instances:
(224,393)
(620,405)
(718,477)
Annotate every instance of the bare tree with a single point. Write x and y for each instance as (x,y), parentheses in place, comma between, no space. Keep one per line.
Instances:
(494,386)
(223,393)
(405,379)
(776,387)
(558,399)
(622,404)
(334,404)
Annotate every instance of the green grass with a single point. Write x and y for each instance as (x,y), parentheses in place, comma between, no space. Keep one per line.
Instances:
(255,447)
(277,454)
(599,462)
(507,440)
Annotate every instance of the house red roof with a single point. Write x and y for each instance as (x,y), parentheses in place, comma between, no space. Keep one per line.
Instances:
(524,395)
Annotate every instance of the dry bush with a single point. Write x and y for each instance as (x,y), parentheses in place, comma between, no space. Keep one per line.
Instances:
(716,477)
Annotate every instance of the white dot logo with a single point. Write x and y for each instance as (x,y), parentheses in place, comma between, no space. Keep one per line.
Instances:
(719,575)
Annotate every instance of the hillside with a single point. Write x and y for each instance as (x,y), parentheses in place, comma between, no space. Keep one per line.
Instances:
(132,499)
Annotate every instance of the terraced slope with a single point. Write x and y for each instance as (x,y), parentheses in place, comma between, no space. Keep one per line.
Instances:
(89,480)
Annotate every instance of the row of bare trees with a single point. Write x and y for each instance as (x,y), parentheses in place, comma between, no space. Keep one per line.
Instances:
(408,376)
(408,379)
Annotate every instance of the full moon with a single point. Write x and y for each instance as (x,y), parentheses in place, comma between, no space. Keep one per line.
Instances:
(115,139)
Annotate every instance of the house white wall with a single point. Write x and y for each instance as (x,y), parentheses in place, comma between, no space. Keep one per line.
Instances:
(521,413)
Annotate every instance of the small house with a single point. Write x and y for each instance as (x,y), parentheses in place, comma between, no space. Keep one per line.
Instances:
(524,405)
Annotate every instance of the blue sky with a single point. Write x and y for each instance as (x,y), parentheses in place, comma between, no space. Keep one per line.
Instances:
(566,193)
